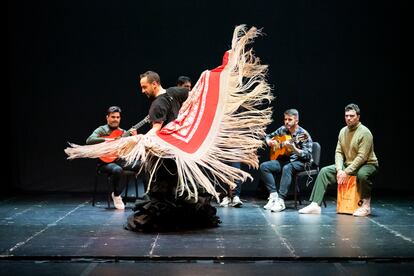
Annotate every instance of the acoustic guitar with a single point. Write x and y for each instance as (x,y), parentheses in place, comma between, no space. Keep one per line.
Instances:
(117,133)
(280,149)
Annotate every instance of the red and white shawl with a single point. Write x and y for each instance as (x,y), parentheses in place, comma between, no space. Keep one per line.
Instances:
(211,129)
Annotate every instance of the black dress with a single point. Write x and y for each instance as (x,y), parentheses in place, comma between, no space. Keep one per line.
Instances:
(163,209)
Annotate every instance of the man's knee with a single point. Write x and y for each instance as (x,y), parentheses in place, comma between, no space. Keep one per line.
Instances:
(264,167)
(324,171)
(363,177)
(117,171)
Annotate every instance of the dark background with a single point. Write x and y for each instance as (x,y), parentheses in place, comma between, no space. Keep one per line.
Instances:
(69,60)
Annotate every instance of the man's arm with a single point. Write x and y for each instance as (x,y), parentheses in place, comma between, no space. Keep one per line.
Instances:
(341,175)
(155,128)
(269,137)
(306,151)
(95,137)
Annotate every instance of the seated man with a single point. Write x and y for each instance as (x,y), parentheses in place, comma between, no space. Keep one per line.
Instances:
(354,155)
(287,157)
(109,164)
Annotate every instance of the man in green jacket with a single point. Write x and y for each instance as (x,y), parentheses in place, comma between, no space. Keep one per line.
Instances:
(354,155)
(109,164)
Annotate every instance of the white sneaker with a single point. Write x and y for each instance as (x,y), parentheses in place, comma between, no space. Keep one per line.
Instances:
(273,197)
(278,206)
(236,202)
(312,208)
(364,210)
(269,204)
(119,204)
(225,202)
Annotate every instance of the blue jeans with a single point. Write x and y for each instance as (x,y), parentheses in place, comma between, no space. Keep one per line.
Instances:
(237,190)
(115,170)
(287,168)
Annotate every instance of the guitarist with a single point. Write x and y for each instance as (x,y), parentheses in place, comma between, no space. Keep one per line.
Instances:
(109,132)
(296,143)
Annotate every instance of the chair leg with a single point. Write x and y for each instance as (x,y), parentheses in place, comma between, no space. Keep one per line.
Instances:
(94,189)
(109,191)
(295,193)
(136,187)
(299,195)
(127,178)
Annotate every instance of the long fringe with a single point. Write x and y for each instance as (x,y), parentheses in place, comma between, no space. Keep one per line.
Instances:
(242,124)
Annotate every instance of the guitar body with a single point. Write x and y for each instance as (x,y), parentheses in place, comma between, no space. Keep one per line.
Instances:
(275,152)
(118,133)
(282,140)
(112,157)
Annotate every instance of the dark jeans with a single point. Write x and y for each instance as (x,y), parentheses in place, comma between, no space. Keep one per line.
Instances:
(114,170)
(237,190)
(287,168)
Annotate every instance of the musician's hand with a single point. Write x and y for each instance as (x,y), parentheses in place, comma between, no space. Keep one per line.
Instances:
(271,143)
(133,131)
(341,177)
(290,146)
(295,149)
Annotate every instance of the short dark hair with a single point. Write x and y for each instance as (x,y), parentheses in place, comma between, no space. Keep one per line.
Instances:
(353,106)
(292,112)
(113,109)
(151,76)
(183,79)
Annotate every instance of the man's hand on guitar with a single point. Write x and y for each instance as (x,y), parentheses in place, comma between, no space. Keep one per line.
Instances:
(274,144)
(289,145)
(133,131)
(284,145)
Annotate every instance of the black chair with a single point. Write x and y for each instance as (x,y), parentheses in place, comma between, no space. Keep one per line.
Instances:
(311,172)
(126,176)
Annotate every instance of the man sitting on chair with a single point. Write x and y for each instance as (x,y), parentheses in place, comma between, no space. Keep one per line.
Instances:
(354,155)
(109,164)
(291,149)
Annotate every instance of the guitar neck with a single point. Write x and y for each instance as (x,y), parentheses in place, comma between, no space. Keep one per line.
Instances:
(141,123)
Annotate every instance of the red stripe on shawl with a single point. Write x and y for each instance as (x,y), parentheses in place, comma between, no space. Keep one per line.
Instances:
(191,143)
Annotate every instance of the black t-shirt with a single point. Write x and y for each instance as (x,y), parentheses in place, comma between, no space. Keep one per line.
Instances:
(165,107)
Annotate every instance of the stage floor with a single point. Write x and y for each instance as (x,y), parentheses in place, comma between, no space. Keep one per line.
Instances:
(65,234)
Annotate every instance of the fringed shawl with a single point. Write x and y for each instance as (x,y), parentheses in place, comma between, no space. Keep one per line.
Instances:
(223,120)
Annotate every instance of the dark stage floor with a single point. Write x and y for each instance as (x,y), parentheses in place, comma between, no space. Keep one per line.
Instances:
(64,234)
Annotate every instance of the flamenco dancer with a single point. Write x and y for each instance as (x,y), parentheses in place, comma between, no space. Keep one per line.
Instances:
(193,139)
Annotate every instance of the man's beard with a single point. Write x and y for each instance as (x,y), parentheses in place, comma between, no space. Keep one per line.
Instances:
(113,126)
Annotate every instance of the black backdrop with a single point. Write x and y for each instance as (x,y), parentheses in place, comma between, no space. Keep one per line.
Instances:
(69,60)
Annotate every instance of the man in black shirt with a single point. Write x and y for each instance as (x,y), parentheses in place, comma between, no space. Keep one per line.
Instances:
(164,210)
(165,102)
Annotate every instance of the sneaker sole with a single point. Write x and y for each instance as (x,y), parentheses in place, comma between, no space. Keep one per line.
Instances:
(310,213)
(277,211)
